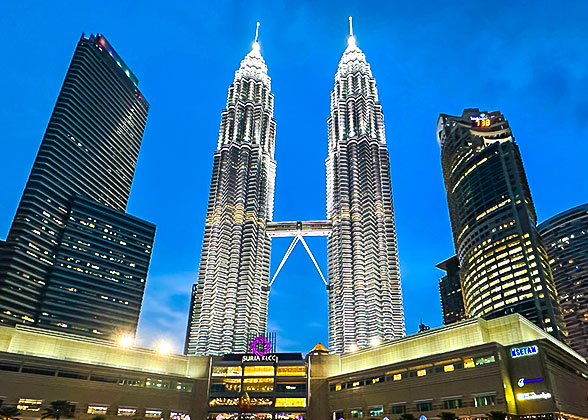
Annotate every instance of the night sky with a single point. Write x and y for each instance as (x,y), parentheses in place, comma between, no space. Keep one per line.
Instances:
(528,59)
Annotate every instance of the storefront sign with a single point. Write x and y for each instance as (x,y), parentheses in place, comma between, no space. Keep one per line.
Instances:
(533,396)
(264,358)
(523,351)
(522,381)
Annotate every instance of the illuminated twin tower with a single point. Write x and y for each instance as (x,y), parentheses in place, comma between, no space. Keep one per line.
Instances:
(229,301)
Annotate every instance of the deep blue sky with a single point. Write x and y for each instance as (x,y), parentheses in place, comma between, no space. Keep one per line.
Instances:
(528,59)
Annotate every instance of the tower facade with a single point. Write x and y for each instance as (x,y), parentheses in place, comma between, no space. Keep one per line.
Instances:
(365,298)
(565,236)
(229,302)
(503,263)
(74,260)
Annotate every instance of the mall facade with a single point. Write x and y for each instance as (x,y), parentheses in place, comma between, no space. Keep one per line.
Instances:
(469,368)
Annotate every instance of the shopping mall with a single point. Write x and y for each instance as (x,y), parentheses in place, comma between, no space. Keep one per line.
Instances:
(468,368)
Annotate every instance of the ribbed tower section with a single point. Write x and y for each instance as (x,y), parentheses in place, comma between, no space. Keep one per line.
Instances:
(365,297)
(229,302)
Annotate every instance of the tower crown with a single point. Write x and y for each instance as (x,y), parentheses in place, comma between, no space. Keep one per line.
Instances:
(353,59)
(253,65)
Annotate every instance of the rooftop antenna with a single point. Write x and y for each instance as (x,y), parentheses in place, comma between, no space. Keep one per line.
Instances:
(257,32)
(350,26)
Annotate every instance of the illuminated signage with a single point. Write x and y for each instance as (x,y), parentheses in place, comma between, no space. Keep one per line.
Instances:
(260,346)
(523,351)
(264,358)
(522,381)
(481,120)
(533,396)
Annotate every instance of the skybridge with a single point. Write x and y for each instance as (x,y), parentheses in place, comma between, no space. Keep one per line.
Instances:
(298,230)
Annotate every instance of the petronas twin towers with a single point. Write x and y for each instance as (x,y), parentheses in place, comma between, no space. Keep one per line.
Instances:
(229,301)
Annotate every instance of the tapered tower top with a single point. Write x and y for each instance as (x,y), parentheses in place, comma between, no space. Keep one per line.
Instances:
(253,65)
(353,58)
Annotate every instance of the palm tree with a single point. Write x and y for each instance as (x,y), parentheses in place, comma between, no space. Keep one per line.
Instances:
(446,415)
(9,412)
(57,409)
(406,416)
(496,415)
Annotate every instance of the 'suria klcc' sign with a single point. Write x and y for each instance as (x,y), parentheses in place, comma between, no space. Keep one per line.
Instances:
(264,358)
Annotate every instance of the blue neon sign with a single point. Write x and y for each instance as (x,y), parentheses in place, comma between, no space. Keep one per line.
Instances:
(523,351)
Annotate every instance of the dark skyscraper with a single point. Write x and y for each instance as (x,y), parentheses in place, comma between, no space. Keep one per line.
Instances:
(566,239)
(503,263)
(73,259)
(450,291)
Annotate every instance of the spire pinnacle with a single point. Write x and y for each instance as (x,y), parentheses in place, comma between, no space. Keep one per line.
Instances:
(351,38)
(255,46)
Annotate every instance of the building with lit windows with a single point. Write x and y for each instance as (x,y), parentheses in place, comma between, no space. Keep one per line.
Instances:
(450,292)
(565,236)
(229,301)
(74,261)
(274,386)
(469,368)
(365,296)
(503,263)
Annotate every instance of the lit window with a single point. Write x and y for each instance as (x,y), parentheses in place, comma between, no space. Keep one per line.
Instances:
(153,414)
(226,371)
(485,360)
(27,404)
(398,376)
(484,400)
(97,409)
(377,410)
(223,401)
(338,387)
(258,384)
(290,402)
(421,372)
(448,368)
(259,371)
(291,371)
(468,363)
(356,413)
(127,412)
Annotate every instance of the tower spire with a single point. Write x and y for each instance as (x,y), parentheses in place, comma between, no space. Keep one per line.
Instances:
(351,37)
(256,32)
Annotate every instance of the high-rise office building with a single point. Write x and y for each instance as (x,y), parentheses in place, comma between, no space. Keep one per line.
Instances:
(229,302)
(365,298)
(74,260)
(565,236)
(450,291)
(503,263)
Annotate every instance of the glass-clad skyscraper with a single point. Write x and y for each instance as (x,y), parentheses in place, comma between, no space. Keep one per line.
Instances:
(565,236)
(74,260)
(229,302)
(503,263)
(365,298)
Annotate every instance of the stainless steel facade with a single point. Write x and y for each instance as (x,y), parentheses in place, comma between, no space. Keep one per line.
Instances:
(565,236)
(503,263)
(229,302)
(365,298)
(86,161)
